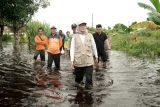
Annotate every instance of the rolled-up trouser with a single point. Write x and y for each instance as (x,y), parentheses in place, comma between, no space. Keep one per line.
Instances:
(56,59)
(86,71)
(41,53)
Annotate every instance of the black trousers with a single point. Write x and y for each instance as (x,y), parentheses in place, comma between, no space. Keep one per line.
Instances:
(87,71)
(41,53)
(56,59)
(62,47)
(103,55)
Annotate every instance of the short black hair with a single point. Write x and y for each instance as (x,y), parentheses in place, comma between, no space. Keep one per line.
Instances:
(98,25)
(73,25)
(40,29)
(68,32)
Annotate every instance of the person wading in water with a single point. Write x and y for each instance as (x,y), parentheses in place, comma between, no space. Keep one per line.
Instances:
(83,48)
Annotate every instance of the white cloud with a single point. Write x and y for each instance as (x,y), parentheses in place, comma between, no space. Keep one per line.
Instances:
(63,13)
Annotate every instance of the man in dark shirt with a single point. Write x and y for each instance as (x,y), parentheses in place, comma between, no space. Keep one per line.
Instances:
(100,40)
(63,37)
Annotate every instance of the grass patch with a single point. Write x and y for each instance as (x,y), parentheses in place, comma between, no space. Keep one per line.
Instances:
(146,45)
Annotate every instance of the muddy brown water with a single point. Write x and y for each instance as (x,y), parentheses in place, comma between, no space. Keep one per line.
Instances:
(128,82)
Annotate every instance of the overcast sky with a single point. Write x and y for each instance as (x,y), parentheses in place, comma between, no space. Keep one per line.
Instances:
(63,13)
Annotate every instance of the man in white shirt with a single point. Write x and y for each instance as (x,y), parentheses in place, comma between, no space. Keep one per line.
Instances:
(83,50)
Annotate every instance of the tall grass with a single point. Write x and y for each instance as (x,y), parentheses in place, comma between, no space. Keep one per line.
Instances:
(146,45)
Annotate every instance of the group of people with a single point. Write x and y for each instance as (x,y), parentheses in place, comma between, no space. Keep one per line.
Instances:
(85,50)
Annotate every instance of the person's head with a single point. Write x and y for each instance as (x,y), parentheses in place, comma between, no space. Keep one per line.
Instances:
(82,27)
(68,33)
(53,30)
(74,26)
(99,28)
(60,32)
(40,31)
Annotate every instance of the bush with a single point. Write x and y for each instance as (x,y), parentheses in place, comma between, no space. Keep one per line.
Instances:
(147,44)
(91,30)
(23,38)
(7,38)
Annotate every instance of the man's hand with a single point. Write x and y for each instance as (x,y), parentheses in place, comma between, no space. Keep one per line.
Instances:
(109,51)
(72,65)
(96,61)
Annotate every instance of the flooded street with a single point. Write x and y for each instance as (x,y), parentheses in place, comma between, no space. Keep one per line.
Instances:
(128,82)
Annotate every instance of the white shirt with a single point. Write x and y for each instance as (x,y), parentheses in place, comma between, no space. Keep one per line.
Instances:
(82,37)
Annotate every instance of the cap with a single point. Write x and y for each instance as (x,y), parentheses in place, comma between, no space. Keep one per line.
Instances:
(53,27)
(81,22)
(98,25)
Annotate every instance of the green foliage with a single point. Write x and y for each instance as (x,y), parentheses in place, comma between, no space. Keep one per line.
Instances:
(156,4)
(147,44)
(144,24)
(23,38)
(154,14)
(7,38)
(121,28)
(91,30)
(32,28)
(16,14)
(146,6)
(19,13)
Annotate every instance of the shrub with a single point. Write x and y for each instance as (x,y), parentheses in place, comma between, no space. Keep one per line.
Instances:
(7,38)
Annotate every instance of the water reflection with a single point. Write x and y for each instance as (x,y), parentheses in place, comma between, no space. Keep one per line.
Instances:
(16,80)
(50,89)
(83,98)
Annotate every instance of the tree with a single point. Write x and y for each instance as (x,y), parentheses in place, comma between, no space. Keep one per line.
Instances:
(121,28)
(18,15)
(3,11)
(91,29)
(154,14)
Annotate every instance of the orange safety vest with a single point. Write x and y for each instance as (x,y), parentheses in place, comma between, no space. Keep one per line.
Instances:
(41,42)
(54,43)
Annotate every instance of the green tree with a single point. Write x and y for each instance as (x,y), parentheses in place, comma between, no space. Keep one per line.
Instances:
(121,28)
(154,14)
(91,29)
(18,15)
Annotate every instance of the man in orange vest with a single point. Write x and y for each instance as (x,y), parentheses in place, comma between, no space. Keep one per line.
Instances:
(41,42)
(54,45)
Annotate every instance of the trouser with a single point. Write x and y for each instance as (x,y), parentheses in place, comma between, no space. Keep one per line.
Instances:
(41,53)
(62,45)
(103,55)
(87,71)
(56,59)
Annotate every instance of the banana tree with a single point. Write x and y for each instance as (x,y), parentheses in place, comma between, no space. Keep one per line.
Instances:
(154,14)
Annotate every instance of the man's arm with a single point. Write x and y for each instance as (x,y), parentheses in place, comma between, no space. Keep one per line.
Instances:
(94,48)
(39,41)
(60,42)
(72,49)
(107,45)
(72,46)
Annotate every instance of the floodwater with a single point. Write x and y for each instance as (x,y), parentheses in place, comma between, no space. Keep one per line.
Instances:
(127,82)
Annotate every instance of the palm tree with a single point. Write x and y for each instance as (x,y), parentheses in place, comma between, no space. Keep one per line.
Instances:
(154,14)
